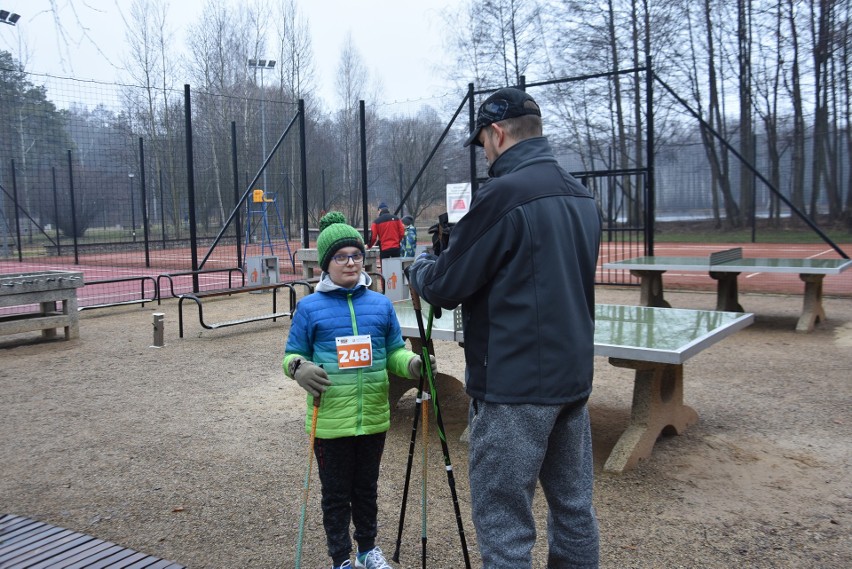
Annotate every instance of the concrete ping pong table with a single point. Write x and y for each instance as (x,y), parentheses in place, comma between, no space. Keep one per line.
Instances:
(724,267)
(654,342)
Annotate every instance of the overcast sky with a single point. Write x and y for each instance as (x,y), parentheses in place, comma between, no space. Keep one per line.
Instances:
(400,42)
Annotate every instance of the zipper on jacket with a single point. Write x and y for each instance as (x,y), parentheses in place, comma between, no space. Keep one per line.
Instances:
(360,421)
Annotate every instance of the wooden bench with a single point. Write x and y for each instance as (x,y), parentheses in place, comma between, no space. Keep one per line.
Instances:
(29,543)
(654,342)
(274,315)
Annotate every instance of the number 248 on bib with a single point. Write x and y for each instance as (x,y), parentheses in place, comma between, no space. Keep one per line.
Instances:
(354,352)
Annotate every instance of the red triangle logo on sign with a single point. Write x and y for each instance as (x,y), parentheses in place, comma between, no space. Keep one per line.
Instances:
(459,204)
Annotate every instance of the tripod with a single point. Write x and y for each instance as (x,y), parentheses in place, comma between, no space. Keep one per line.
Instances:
(421,407)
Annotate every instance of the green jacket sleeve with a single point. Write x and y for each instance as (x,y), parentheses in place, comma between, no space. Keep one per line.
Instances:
(398,362)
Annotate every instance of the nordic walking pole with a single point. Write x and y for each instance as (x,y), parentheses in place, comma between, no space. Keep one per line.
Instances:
(307,481)
(428,372)
(424,395)
(417,405)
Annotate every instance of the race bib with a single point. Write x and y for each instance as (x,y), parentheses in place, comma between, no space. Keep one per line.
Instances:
(354,352)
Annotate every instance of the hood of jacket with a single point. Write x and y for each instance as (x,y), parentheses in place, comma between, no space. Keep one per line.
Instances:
(327,285)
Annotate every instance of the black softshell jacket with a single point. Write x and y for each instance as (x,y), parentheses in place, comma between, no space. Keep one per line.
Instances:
(522,264)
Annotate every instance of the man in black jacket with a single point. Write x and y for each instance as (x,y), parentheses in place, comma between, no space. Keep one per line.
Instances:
(522,264)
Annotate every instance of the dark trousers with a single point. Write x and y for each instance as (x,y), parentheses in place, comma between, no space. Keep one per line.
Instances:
(387,253)
(349,473)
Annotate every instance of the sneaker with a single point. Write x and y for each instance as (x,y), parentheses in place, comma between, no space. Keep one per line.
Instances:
(373,559)
(345,565)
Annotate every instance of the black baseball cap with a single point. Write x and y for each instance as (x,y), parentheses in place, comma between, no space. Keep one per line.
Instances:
(506,103)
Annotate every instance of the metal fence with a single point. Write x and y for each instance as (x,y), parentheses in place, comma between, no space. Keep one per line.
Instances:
(91,179)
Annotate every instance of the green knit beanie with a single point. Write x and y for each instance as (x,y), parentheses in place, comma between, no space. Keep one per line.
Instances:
(334,235)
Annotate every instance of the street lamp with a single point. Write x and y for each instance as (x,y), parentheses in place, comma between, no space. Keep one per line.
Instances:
(262,64)
(9,17)
(132,206)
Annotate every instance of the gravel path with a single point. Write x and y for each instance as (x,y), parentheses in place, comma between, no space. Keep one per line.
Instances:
(196,452)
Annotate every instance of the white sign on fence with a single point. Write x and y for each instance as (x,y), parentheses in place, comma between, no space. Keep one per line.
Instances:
(458,201)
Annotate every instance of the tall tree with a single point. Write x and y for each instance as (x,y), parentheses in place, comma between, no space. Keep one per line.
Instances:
(351,78)
(35,137)
(296,74)
(150,65)
(496,42)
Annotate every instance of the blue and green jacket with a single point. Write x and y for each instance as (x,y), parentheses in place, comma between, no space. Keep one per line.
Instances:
(408,245)
(357,401)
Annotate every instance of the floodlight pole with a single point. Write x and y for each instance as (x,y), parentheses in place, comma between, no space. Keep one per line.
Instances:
(262,64)
(10,18)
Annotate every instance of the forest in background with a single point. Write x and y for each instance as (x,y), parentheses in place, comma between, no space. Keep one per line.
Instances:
(772,78)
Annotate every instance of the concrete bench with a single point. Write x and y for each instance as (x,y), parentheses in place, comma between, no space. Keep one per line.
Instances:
(654,342)
(725,266)
(45,289)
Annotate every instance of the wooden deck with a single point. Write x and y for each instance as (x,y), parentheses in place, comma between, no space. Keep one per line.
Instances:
(35,545)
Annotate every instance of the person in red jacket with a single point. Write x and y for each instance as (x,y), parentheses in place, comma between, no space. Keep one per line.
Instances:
(387,230)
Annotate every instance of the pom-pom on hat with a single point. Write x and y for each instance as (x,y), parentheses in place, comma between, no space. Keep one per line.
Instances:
(334,235)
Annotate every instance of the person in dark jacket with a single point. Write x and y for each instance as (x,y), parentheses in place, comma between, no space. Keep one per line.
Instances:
(522,265)
(387,231)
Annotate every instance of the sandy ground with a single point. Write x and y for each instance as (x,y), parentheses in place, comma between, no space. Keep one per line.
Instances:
(196,451)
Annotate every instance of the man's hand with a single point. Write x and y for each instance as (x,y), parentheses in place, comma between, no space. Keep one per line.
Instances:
(427,256)
(416,364)
(311,377)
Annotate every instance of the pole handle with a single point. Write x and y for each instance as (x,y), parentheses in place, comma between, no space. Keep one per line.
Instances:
(318,397)
(415,298)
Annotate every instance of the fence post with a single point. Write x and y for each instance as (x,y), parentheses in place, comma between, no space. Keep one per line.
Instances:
(238,228)
(55,211)
(145,235)
(73,209)
(362,115)
(17,214)
(651,201)
(162,209)
(190,185)
(303,166)
(471,107)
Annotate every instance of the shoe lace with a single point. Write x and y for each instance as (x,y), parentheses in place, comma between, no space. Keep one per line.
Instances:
(376,560)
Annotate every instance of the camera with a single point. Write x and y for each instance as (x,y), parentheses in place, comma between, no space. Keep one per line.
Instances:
(440,233)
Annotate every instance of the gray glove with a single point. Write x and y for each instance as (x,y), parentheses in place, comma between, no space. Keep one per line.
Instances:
(416,364)
(310,377)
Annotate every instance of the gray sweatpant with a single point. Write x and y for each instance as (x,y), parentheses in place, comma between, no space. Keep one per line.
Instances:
(511,448)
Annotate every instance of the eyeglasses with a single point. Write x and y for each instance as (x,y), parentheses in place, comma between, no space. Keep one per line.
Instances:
(492,111)
(357,259)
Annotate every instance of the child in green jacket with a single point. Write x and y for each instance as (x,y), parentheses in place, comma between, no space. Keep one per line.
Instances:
(344,338)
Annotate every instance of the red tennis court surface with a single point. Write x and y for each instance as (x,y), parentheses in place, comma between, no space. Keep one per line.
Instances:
(102,266)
